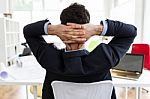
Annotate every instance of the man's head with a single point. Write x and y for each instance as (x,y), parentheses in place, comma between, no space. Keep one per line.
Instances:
(75,13)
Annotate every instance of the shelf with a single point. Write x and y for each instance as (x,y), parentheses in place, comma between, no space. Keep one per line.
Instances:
(11,58)
(9,41)
(12,33)
(12,38)
(11,45)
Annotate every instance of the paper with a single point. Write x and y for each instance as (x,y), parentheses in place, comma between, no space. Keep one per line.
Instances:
(3,71)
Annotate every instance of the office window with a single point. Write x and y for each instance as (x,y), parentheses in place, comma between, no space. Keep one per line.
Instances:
(28,11)
(123,10)
(37,5)
(22,5)
(47,8)
(42,9)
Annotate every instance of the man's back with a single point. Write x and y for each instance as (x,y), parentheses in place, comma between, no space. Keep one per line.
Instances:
(79,66)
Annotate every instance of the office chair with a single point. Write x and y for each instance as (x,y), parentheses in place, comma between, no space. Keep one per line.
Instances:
(142,49)
(70,90)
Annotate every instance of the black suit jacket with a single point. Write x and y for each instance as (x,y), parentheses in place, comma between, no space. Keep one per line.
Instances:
(79,66)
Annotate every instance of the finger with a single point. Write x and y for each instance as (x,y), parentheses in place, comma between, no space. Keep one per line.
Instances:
(75,32)
(72,42)
(77,40)
(68,37)
(74,25)
(80,40)
(68,47)
(69,42)
(72,36)
(72,30)
(80,45)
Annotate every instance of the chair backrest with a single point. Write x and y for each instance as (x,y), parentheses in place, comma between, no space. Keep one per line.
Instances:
(142,49)
(70,90)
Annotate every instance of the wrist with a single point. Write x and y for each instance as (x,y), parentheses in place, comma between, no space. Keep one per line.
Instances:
(51,30)
(98,29)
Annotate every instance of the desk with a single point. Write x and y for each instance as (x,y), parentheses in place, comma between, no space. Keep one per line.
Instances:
(31,73)
(143,81)
(34,83)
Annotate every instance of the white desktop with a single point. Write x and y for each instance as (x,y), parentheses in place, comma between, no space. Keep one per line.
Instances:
(31,73)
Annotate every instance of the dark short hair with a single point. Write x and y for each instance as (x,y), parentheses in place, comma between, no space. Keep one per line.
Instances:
(75,13)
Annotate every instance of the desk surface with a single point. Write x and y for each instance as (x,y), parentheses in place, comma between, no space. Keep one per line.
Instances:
(143,81)
(31,73)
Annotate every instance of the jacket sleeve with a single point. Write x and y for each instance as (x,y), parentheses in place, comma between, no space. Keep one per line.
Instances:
(106,56)
(33,34)
(43,51)
(124,35)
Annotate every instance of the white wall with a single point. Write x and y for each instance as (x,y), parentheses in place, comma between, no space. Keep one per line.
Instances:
(146,32)
(124,12)
(139,19)
(5,6)
(131,12)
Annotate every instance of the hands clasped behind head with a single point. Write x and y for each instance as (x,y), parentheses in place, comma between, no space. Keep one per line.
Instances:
(74,33)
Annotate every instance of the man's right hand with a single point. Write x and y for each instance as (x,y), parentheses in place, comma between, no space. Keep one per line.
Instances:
(74,33)
(89,30)
(70,34)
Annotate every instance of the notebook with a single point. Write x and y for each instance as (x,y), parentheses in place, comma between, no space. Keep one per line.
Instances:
(130,67)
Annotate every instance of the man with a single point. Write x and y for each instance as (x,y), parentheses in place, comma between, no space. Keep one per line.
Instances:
(78,65)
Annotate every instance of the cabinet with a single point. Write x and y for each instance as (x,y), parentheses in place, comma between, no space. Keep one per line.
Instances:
(9,41)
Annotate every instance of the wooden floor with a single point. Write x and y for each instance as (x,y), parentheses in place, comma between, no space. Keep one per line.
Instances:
(19,92)
(15,92)
(132,93)
(9,92)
